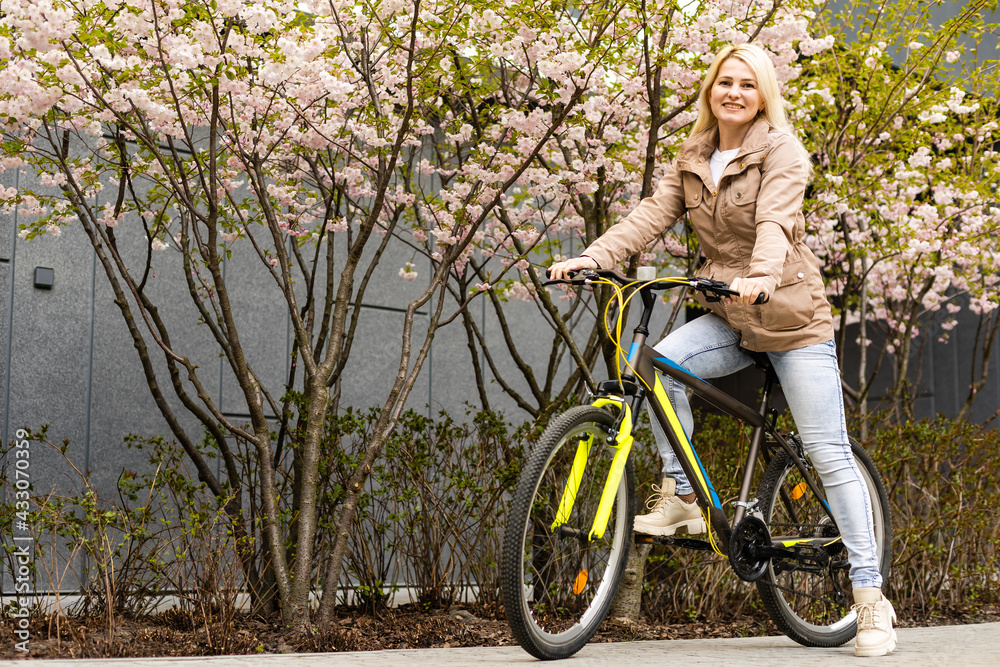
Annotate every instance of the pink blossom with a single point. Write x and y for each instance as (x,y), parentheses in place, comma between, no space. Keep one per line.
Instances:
(922,158)
(337,225)
(407,273)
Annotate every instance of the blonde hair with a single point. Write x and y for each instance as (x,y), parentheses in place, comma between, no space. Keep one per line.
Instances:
(767,83)
(773,110)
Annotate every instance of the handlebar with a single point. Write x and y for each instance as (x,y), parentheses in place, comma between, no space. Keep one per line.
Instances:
(713,290)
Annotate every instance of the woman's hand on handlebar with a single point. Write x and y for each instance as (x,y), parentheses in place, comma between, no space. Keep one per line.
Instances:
(749,289)
(561,270)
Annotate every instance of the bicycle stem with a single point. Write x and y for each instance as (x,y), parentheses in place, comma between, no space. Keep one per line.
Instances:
(639,335)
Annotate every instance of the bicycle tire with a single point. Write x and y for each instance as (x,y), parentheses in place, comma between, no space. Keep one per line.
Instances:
(806,605)
(557,584)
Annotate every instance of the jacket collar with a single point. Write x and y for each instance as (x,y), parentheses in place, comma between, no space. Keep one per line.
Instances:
(702,145)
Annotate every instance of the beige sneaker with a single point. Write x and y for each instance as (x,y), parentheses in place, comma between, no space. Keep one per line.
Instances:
(875,618)
(668,513)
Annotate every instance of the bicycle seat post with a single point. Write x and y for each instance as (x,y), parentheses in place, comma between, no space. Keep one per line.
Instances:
(756,440)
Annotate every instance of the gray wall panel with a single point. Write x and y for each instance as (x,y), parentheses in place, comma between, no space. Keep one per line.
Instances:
(50,339)
(531,348)
(922,360)
(989,402)
(451,379)
(533,338)
(963,342)
(956,365)
(988,398)
(385,288)
(986,48)
(122,403)
(374,361)
(261,316)
(951,372)
(4,340)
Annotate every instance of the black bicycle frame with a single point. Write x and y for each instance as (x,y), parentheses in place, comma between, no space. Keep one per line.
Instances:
(644,362)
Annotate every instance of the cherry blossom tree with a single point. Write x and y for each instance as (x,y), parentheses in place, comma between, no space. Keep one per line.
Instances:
(902,122)
(282,131)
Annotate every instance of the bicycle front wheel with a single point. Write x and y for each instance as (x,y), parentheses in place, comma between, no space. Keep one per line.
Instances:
(810,601)
(558,577)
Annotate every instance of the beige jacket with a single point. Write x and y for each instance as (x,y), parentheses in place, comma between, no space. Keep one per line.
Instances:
(750,226)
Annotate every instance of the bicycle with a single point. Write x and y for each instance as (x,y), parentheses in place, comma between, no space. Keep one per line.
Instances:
(570,526)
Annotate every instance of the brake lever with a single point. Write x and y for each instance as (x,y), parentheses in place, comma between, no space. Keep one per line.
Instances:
(588,275)
(714,290)
(714,297)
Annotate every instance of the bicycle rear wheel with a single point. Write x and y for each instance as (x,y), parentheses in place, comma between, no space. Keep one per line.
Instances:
(810,602)
(559,582)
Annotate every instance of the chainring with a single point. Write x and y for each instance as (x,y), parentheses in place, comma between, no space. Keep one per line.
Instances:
(750,533)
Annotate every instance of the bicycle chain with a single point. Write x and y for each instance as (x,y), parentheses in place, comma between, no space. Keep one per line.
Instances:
(795,592)
(798,526)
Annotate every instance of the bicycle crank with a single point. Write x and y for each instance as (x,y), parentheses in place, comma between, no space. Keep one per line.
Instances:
(749,536)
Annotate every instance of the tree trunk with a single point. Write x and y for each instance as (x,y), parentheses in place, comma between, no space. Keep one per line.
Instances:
(628,603)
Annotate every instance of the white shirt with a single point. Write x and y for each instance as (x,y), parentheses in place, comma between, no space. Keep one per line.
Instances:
(719,161)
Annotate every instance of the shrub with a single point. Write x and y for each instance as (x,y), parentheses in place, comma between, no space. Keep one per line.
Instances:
(943,478)
(435,507)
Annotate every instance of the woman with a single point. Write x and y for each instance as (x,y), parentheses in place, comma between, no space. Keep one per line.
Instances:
(741,178)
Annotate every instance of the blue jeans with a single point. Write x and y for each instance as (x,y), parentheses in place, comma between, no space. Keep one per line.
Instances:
(810,380)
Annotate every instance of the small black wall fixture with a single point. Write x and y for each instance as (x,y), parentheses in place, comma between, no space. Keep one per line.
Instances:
(44,277)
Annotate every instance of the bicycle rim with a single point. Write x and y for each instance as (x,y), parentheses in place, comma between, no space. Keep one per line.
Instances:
(559,581)
(811,604)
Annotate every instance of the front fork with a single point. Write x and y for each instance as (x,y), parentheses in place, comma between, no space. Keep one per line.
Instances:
(622,444)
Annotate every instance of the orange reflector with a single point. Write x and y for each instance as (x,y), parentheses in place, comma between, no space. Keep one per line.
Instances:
(580,583)
(799,490)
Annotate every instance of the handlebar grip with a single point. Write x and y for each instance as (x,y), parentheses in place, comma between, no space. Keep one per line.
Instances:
(762,298)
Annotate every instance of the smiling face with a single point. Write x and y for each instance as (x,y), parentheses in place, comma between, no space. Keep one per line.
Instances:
(735,97)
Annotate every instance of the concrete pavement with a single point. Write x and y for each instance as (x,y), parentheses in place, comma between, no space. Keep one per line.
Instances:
(955,645)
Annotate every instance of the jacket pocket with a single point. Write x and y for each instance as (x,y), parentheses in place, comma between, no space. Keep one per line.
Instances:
(744,186)
(791,305)
(693,189)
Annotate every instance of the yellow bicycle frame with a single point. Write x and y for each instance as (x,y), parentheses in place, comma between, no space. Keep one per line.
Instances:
(622,446)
